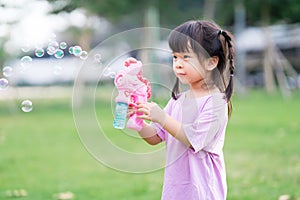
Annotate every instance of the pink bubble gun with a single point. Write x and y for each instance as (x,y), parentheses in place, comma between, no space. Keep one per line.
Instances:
(132,88)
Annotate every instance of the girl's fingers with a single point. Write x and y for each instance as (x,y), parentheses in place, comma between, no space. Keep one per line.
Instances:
(142,104)
(143,110)
(130,111)
(144,117)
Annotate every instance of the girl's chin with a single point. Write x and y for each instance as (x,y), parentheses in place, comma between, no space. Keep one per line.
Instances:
(183,81)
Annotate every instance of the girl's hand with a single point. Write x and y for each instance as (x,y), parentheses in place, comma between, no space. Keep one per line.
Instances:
(131,110)
(151,111)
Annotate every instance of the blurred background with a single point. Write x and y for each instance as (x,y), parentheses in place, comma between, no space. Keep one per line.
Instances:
(266,35)
(44,43)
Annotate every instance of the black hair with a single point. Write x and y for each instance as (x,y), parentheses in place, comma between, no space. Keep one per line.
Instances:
(207,39)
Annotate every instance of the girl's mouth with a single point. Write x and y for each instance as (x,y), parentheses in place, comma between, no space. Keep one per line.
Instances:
(180,73)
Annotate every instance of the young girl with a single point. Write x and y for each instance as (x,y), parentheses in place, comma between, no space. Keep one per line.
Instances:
(193,123)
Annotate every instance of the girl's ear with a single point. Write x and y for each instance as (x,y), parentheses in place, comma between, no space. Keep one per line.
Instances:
(212,63)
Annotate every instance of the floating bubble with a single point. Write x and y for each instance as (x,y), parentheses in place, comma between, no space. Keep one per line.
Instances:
(3,83)
(39,52)
(25,61)
(57,70)
(25,48)
(59,53)
(77,50)
(7,71)
(84,55)
(109,73)
(51,50)
(97,58)
(112,75)
(26,106)
(71,49)
(54,44)
(63,45)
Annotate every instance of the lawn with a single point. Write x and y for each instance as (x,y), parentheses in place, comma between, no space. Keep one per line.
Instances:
(43,154)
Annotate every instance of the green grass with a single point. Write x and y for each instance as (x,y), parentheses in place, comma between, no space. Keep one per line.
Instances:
(42,153)
(262,147)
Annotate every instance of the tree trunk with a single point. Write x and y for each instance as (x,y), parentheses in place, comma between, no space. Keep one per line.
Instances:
(268,69)
(209,9)
(150,37)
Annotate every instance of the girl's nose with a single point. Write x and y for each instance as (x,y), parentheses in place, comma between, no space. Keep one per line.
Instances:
(178,64)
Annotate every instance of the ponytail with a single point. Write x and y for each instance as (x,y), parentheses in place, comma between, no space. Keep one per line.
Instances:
(175,90)
(229,87)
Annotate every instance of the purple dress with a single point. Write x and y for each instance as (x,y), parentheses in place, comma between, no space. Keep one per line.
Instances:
(198,172)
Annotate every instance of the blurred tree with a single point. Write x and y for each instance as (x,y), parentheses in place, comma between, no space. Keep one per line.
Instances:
(2,55)
(257,11)
(209,9)
(173,12)
(4,35)
(136,13)
(133,11)
(277,10)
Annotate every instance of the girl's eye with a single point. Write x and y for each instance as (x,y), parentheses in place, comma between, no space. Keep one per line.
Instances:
(174,57)
(186,56)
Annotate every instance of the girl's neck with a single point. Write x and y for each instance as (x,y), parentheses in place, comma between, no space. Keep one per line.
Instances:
(200,90)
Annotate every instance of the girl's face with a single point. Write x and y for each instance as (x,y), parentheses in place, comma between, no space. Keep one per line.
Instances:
(187,67)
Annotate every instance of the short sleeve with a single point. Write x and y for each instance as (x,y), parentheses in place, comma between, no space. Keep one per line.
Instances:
(159,130)
(204,130)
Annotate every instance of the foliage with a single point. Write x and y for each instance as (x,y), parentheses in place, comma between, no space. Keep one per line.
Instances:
(172,12)
(176,11)
(278,11)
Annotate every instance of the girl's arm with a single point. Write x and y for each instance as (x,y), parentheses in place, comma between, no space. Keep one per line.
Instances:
(151,111)
(175,129)
(148,133)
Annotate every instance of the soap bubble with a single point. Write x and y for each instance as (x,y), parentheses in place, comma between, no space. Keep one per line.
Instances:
(3,83)
(39,52)
(51,50)
(54,44)
(77,51)
(71,49)
(7,71)
(26,59)
(84,55)
(97,57)
(26,106)
(25,48)
(59,53)
(63,45)
(112,75)
(109,73)
(25,62)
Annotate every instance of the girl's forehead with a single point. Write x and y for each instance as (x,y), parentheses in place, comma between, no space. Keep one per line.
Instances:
(187,49)
(183,52)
